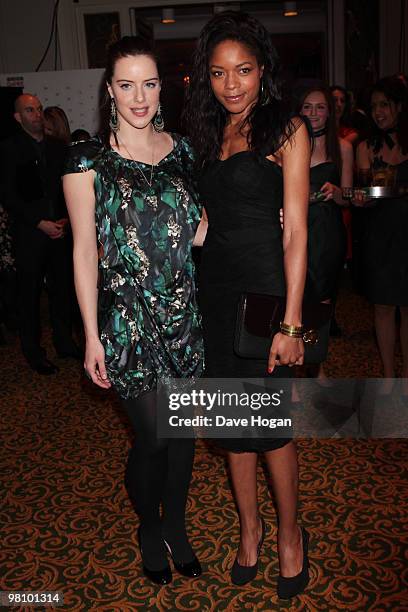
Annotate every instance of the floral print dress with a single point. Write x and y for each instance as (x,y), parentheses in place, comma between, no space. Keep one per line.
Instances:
(148,316)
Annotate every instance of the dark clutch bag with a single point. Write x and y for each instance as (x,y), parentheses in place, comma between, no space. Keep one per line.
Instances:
(258,320)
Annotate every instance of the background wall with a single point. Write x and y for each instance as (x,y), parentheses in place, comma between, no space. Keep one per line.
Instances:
(25,27)
(391,15)
(76,91)
(24,30)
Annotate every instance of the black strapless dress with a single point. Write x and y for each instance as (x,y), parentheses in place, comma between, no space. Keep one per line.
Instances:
(326,245)
(242,252)
(385,248)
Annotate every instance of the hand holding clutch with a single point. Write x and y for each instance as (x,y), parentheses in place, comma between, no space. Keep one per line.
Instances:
(259,318)
(285,351)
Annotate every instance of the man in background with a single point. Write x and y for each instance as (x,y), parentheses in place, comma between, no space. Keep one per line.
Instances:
(32,167)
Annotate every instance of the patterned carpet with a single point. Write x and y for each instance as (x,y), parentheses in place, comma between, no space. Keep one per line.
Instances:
(68,525)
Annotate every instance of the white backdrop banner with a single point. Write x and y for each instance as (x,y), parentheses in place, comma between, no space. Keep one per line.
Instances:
(75,91)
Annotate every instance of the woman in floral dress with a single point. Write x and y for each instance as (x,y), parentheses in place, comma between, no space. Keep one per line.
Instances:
(140,317)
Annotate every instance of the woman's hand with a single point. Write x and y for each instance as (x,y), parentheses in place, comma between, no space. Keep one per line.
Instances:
(359,198)
(332,192)
(95,363)
(285,351)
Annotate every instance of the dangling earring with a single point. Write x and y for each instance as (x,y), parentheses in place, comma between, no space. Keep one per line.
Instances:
(113,119)
(158,122)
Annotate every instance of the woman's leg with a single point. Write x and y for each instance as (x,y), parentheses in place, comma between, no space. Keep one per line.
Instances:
(384,318)
(404,347)
(145,476)
(243,474)
(283,469)
(180,458)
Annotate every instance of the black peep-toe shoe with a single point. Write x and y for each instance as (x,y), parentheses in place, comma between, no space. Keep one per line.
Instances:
(290,587)
(162,576)
(190,569)
(242,574)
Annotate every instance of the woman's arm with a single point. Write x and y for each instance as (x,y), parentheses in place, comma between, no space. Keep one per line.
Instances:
(201,231)
(80,199)
(347,162)
(363,156)
(295,157)
(352,137)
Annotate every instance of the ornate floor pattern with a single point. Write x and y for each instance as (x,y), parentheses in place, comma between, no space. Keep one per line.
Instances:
(66,522)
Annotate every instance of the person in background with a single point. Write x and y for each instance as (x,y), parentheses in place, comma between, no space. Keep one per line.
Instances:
(56,124)
(346,131)
(343,110)
(331,170)
(385,243)
(362,122)
(32,166)
(56,127)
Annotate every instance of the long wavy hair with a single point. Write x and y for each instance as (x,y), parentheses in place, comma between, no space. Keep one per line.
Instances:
(128,46)
(395,91)
(332,141)
(345,119)
(205,118)
(57,123)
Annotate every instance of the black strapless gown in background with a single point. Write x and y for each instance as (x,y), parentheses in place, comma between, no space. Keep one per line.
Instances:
(242,252)
(385,248)
(326,245)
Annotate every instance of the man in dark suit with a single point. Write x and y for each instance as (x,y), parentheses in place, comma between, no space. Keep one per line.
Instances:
(32,166)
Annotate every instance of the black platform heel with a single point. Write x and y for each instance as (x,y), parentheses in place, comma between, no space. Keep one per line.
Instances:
(242,574)
(290,587)
(189,569)
(162,576)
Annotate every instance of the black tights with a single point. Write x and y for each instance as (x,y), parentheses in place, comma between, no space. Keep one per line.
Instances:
(158,472)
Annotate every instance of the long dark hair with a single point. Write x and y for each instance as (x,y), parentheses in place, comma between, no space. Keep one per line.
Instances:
(205,118)
(394,90)
(128,46)
(60,124)
(345,119)
(332,141)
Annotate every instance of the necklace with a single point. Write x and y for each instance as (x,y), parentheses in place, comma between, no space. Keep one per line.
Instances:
(320,132)
(149,183)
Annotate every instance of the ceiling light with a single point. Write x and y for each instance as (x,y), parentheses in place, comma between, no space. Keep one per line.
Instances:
(168,15)
(290,9)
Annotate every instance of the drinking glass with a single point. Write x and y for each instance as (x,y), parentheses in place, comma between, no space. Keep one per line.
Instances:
(384,176)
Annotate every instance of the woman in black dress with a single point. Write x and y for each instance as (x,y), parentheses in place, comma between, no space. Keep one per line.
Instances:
(252,155)
(385,243)
(331,169)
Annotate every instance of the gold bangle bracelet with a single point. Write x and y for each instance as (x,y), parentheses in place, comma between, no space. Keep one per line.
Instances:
(291,328)
(291,334)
